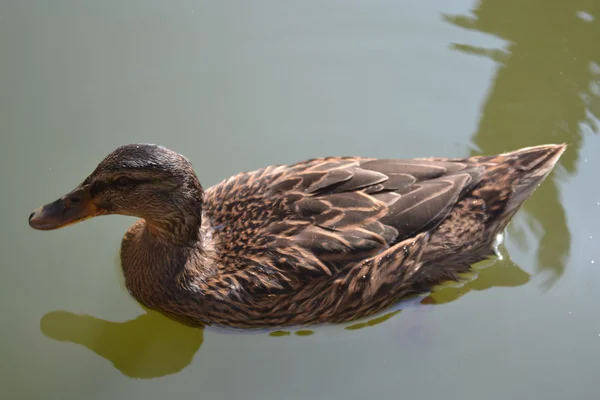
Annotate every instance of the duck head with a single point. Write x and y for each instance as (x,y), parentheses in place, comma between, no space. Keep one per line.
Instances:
(141,180)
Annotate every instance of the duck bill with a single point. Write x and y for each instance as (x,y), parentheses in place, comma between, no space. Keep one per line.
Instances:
(71,208)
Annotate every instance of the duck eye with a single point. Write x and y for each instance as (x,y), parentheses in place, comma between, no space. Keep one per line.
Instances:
(123,181)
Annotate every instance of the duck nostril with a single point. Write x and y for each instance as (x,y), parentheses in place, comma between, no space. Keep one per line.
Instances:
(75,199)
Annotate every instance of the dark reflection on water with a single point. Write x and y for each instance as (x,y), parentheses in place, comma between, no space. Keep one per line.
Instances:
(493,273)
(542,93)
(148,346)
(302,332)
(372,322)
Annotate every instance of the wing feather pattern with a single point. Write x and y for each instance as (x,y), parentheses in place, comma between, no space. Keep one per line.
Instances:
(355,208)
(318,218)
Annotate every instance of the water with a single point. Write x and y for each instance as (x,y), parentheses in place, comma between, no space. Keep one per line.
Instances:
(236,86)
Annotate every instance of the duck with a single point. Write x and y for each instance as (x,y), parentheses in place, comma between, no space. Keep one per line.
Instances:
(322,241)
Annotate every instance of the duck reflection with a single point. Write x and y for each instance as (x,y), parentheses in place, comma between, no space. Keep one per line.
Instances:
(545,91)
(493,273)
(148,346)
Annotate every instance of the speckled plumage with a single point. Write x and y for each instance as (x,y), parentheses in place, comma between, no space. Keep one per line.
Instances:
(324,240)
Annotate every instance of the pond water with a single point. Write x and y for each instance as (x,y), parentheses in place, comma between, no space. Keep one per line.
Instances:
(238,85)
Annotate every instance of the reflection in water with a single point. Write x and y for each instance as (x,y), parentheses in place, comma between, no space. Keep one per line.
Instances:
(304,332)
(301,332)
(372,322)
(544,92)
(501,273)
(148,346)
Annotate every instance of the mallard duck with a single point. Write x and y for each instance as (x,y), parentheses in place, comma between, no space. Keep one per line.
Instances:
(326,240)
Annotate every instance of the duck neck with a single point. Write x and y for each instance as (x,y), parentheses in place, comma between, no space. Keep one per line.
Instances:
(151,263)
(179,220)
(178,227)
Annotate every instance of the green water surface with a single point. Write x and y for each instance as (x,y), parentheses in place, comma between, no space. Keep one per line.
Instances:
(237,85)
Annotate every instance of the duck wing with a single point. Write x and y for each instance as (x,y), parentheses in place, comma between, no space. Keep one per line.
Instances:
(284,228)
(337,211)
